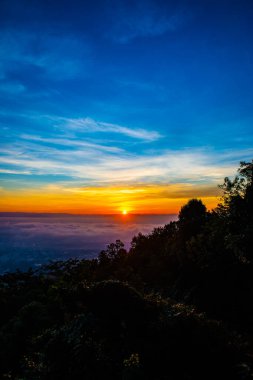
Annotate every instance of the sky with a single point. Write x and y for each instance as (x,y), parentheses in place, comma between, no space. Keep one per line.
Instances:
(108,106)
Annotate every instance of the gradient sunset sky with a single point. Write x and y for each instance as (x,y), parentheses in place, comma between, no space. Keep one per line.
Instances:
(122,105)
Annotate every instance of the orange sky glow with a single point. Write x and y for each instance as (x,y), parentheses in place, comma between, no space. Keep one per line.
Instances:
(148,199)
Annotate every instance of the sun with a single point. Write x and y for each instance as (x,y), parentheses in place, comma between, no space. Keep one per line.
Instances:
(124,212)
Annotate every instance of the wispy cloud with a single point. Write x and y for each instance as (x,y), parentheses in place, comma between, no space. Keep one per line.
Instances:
(72,143)
(88,124)
(104,167)
(67,149)
(11,171)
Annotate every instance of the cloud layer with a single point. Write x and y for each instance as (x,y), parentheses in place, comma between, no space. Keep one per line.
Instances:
(32,241)
(72,150)
(71,169)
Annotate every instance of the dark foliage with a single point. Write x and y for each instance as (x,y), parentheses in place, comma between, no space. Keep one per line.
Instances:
(178,305)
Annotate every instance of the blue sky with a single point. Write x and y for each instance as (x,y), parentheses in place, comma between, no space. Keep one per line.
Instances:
(124,93)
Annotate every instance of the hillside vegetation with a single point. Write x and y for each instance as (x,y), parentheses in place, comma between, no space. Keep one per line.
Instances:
(177,305)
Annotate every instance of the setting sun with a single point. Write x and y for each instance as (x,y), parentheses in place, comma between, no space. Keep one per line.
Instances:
(124,212)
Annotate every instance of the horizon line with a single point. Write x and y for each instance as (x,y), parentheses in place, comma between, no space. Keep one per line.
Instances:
(2,213)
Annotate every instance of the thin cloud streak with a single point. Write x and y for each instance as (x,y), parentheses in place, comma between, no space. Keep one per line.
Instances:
(90,125)
(72,143)
(87,125)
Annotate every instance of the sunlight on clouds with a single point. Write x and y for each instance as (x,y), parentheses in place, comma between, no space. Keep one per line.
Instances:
(95,164)
(106,169)
(107,177)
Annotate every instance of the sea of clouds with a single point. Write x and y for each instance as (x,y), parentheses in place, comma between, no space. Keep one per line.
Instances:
(30,241)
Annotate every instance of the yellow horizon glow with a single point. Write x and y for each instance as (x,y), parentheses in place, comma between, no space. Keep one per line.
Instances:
(140,199)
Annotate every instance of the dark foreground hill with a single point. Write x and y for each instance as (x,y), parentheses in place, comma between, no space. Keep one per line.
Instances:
(177,305)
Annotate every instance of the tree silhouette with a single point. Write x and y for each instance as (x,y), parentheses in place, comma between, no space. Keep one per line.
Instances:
(191,218)
(237,210)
